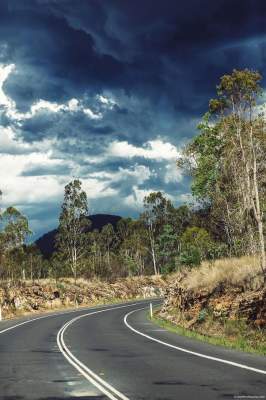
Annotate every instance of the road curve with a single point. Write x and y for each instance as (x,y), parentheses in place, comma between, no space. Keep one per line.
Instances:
(114,352)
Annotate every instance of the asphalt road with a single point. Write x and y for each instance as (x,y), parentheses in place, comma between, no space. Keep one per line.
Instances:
(114,352)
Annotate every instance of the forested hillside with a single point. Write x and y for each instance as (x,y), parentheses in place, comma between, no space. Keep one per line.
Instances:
(47,242)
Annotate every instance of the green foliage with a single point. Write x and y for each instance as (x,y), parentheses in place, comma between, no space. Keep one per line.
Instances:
(227,164)
(195,246)
(202,315)
(198,238)
(15,231)
(190,257)
(167,248)
(73,223)
(15,228)
(130,264)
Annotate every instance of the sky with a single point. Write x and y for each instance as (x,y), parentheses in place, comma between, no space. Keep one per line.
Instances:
(110,91)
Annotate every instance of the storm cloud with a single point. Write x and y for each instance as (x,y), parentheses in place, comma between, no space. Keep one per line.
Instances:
(110,91)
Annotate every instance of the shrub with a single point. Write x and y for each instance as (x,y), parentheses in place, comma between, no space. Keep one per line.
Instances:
(202,315)
(190,257)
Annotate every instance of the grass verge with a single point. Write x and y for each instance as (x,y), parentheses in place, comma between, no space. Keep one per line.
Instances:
(251,341)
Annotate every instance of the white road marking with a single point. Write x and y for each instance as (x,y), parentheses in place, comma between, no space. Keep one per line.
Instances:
(221,360)
(91,376)
(98,382)
(52,315)
(35,319)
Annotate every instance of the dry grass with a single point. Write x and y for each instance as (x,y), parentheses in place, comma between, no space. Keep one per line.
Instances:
(243,271)
(87,283)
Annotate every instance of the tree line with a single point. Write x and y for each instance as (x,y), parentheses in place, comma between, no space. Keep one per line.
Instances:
(226,162)
(161,240)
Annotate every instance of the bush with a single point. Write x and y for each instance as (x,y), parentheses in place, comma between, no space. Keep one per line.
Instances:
(169,267)
(190,257)
(202,315)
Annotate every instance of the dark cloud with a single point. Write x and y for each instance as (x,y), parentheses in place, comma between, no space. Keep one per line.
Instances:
(156,64)
(57,170)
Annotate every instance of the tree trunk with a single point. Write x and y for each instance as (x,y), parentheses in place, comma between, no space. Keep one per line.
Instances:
(31,271)
(154,259)
(256,205)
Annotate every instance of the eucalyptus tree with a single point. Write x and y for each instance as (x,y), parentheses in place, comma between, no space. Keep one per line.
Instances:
(15,231)
(134,248)
(108,237)
(16,228)
(157,212)
(167,248)
(243,134)
(72,235)
(227,161)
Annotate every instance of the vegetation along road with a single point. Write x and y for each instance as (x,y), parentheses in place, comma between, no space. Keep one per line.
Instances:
(115,352)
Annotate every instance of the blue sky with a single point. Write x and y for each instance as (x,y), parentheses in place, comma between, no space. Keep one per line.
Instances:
(110,91)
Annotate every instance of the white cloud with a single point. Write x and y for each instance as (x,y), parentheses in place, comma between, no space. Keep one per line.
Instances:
(91,114)
(73,105)
(153,150)
(135,199)
(102,99)
(5,71)
(18,157)
(97,189)
(107,102)
(19,189)
(9,144)
(139,173)
(45,105)
(172,173)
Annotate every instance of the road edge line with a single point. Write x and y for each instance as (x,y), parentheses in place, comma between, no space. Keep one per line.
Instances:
(217,359)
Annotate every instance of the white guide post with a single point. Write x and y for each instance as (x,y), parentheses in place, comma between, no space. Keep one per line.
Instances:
(1,312)
(151,311)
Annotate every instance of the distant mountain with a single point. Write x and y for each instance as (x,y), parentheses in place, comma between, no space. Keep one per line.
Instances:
(46,243)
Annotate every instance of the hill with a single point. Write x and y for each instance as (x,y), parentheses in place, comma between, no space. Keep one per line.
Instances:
(46,243)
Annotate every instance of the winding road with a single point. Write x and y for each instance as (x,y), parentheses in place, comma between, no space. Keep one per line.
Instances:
(114,352)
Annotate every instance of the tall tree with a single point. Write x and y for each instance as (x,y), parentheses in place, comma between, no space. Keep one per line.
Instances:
(157,211)
(13,237)
(227,162)
(108,237)
(167,248)
(133,249)
(244,139)
(16,228)
(73,224)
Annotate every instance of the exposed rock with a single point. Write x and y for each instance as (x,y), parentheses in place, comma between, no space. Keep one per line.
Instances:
(27,297)
(184,306)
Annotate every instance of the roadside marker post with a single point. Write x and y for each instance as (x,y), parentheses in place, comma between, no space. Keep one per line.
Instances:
(1,312)
(151,311)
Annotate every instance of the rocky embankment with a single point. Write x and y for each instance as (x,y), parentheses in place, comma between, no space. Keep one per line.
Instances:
(188,307)
(224,299)
(27,297)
